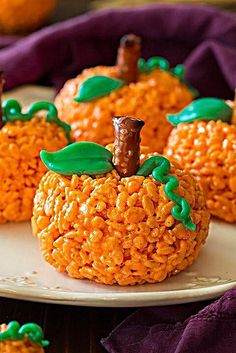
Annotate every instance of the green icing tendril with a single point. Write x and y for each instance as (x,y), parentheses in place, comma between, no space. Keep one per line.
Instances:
(12,111)
(31,331)
(81,158)
(96,87)
(160,63)
(203,109)
(153,63)
(159,167)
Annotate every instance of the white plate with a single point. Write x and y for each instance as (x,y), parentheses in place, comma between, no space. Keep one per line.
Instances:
(25,275)
(28,94)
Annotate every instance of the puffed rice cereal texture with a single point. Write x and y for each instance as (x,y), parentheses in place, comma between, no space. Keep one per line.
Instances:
(20,16)
(208,151)
(150,99)
(116,230)
(20,166)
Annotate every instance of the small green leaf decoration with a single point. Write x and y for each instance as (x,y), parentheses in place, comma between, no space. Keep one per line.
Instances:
(159,167)
(12,111)
(96,87)
(15,332)
(81,158)
(203,109)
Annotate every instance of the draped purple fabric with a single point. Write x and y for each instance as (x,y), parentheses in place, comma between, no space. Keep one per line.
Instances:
(188,328)
(203,38)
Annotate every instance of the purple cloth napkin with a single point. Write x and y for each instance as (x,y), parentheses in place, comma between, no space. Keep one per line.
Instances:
(189,328)
(203,38)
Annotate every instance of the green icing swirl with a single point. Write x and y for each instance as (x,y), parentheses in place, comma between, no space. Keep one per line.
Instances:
(157,62)
(203,109)
(96,87)
(153,63)
(12,111)
(81,158)
(31,331)
(159,167)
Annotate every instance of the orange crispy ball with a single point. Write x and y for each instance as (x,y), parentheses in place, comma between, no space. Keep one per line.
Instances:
(208,151)
(24,15)
(24,346)
(20,166)
(112,230)
(150,99)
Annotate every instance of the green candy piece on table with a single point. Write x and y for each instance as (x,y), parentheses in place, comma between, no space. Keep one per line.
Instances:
(81,158)
(96,87)
(159,167)
(12,111)
(31,331)
(203,109)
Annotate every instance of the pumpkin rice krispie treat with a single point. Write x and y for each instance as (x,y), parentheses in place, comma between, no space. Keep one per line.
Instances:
(101,216)
(22,137)
(135,87)
(21,339)
(204,143)
(21,16)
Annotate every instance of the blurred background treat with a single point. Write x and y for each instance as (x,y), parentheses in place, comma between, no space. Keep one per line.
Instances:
(24,16)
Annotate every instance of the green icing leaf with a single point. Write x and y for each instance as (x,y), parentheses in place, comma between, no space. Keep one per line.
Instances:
(79,158)
(159,167)
(203,109)
(96,87)
(12,111)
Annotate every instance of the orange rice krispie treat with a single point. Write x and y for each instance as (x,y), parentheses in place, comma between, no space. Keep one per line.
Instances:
(20,16)
(147,90)
(105,218)
(204,143)
(21,339)
(22,137)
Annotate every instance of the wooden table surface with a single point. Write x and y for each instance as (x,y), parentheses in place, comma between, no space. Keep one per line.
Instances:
(70,329)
